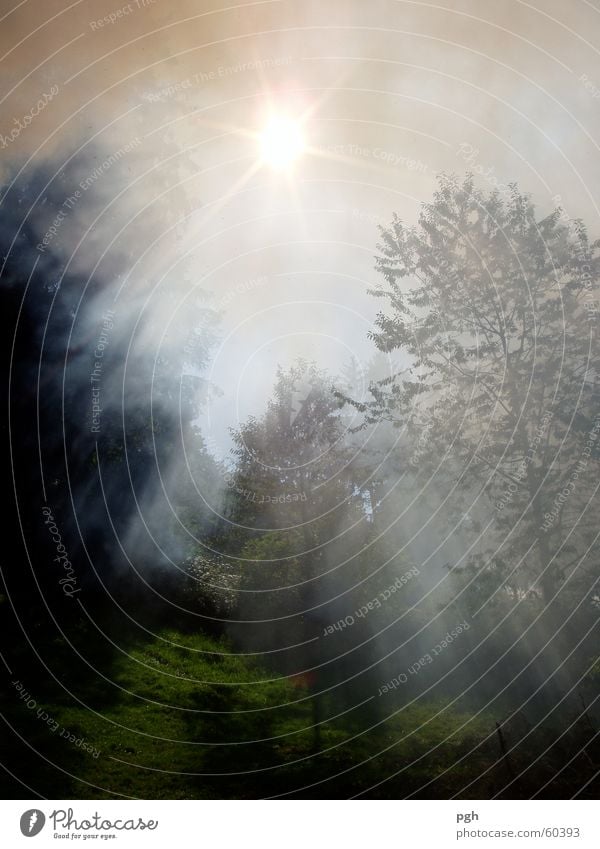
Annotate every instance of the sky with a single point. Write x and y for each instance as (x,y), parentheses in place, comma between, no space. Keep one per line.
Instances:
(389,94)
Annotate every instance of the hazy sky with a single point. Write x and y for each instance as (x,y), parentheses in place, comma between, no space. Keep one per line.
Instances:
(391,93)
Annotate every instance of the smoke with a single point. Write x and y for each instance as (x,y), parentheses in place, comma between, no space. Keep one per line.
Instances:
(108,335)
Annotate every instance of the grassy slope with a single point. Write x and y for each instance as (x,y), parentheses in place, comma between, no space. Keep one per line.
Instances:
(165,726)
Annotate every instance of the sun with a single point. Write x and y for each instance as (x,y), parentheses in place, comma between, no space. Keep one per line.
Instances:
(281,142)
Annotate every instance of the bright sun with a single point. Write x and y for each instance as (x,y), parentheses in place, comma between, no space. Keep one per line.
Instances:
(281,142)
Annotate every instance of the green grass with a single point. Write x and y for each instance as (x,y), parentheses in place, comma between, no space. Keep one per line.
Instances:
(165,721)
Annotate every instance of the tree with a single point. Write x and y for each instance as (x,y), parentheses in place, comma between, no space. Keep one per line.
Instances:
(299,520)
(493,313)
(101,415)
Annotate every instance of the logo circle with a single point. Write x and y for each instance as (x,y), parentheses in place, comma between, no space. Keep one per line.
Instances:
(32,822)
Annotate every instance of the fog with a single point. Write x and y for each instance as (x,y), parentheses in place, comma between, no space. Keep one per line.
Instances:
(316,442)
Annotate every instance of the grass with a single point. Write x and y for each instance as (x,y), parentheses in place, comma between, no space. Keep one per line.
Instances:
(180,716)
